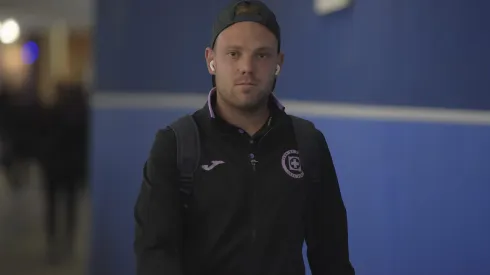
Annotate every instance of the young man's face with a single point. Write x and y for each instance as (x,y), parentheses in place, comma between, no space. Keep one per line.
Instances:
(245,60)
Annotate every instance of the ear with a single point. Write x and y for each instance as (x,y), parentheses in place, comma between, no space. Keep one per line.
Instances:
(280,59)
(209,56)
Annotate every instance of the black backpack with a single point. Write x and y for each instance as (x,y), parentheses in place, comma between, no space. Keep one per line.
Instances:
(189,151)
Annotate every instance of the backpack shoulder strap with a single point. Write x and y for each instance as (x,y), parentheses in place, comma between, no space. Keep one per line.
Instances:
(188,150)
(308,147)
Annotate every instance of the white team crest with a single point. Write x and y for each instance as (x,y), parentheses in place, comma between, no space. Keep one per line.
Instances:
(291,164)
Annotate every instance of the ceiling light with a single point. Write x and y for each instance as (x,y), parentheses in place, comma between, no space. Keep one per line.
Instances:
(9,31)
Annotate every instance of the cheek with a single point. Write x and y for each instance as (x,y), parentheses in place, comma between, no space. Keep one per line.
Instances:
(267,74)
(267,68)
(225,72)
(224,77)
(227,68)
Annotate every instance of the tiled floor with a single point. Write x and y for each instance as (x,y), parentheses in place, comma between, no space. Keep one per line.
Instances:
(22,241)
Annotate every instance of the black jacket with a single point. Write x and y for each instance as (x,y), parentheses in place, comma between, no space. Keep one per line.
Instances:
(248,215)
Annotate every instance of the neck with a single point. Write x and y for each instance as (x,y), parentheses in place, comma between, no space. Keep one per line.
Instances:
(249,120)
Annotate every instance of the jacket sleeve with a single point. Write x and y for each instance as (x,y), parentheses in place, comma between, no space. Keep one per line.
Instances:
(158,234)
(326,226)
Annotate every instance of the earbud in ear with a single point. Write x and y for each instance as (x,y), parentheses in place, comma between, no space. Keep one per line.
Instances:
(211,65)
(278,69)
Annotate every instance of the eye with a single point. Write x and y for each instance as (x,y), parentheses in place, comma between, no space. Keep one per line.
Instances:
(262,55)
(233,54)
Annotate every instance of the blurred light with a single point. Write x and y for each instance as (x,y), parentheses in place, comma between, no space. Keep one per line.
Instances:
(324,7)
(9,31)
(30,52)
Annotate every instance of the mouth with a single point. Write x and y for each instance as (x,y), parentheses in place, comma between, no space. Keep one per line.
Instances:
(246,84)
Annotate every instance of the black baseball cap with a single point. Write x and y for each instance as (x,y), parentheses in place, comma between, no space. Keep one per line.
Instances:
(246,11)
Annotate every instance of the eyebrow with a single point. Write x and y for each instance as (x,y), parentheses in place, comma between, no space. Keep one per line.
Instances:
(256,50)
(264,49)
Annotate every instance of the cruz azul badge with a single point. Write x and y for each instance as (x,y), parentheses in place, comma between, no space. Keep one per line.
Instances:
(291,164)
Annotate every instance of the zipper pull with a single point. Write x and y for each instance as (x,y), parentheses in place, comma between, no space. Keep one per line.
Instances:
(253,161)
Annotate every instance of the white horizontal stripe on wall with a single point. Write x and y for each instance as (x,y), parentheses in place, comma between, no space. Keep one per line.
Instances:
(159,100)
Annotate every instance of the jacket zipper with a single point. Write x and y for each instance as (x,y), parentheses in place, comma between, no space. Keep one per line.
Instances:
(254,163)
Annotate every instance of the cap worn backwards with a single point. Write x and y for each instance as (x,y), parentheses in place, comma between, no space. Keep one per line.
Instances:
(246,11)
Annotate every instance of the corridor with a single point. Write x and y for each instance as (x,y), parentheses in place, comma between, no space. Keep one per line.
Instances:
(22,241)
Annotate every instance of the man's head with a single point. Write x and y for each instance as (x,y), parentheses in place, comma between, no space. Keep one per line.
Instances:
(244,58)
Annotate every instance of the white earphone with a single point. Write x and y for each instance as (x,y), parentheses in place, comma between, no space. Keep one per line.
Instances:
(278,69)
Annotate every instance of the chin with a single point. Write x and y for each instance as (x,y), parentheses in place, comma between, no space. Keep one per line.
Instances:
(250,102)
(247,89)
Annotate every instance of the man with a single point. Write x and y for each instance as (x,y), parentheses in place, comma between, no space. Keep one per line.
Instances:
(251,208)
(63,159)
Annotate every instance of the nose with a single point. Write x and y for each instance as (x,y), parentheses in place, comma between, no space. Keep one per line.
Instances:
(246,65)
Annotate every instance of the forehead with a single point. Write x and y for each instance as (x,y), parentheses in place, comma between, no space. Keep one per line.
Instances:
(247,34)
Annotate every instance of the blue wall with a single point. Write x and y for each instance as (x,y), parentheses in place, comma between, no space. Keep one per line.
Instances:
(405,52)
(416,193)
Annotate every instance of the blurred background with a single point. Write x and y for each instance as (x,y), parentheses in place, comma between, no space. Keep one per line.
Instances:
(45,79)
(401,90)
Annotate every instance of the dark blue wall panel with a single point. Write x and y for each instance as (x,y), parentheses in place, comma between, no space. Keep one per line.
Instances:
(407,52)
(416,193)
